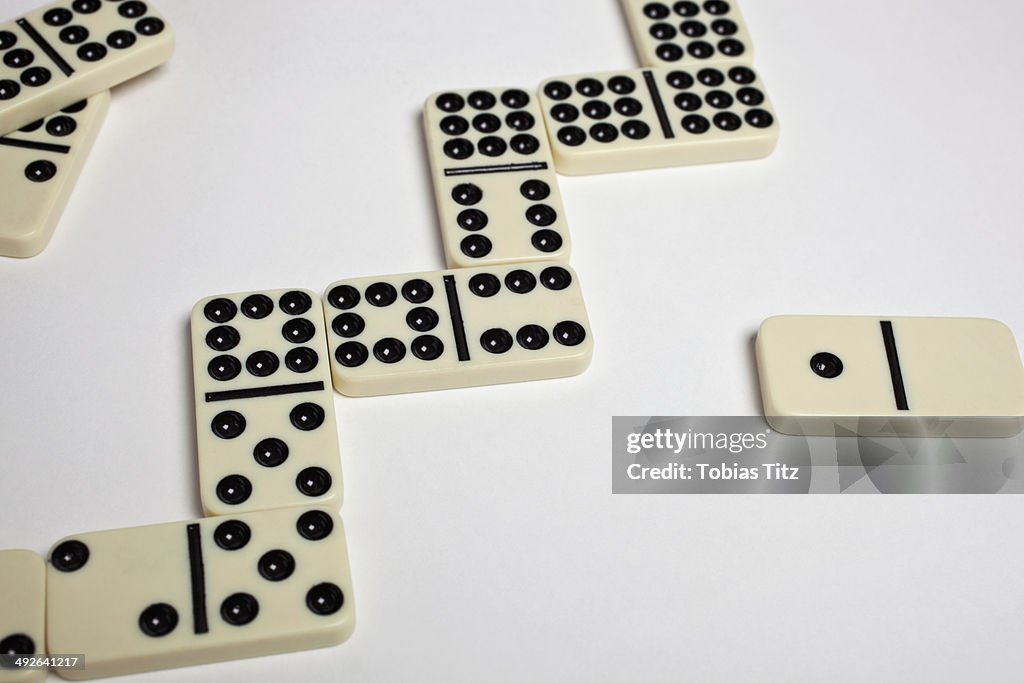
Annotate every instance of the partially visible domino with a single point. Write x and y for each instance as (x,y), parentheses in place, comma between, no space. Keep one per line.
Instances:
(73,49)
(656,118)
(22,612)
(39,166)
(494,179)
(265,425)
(688,34)
(456,328)
(185,593)
(878,376)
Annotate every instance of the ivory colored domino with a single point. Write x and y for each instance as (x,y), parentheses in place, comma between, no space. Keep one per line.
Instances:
(22,612)
(185,593)
(884,376)
(456,328)
(39,167)
(688,34)
(494,179)
(265,425)
(656,118)
(67,51)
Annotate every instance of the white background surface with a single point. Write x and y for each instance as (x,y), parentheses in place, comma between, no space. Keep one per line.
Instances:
(281,146)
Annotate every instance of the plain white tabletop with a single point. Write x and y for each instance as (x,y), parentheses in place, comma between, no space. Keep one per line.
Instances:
(281,147)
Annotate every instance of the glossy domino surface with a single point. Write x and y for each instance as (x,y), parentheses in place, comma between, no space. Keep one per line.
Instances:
(456,328)
(265,424)
(39,167)
(656,118)
(185,593)
(877,376)
(688,33)
(67,51)
(494,179)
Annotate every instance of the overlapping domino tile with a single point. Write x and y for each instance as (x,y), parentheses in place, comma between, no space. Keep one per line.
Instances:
(22,612)
(688,33)
(657,118)
(69,50)
(184,593)
(39,167)
(265,424)
(494,179)
(456,328)
(882,376)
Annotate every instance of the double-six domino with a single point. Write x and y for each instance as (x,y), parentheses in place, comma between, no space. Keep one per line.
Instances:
(657,117)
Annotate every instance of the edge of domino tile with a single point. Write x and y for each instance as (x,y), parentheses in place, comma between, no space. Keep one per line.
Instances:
(342,630)
(807,424)
(450,257)
(435,169)
(23,601)
(35,239)
(430,380)
(673,153)
(46,100)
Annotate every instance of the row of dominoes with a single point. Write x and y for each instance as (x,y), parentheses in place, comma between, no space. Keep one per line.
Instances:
(267,570)
(266,431)
(265,579)
(493,152)
(264,364)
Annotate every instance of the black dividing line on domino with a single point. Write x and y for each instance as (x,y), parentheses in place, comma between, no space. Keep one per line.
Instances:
(458,326)
(195,565)
(38,146)
(45,47)
(260,392)
(659,106)
(497,168)
(898,390)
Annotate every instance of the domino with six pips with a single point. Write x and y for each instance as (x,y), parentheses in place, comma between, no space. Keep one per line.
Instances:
(270,562)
